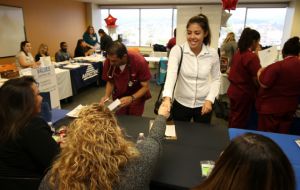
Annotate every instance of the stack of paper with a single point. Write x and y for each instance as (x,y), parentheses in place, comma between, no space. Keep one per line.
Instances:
(75,111)
(72,66)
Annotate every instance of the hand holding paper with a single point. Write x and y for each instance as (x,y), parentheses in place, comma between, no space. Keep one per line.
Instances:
(114,105)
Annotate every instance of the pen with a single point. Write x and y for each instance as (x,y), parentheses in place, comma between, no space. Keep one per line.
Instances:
(106,100)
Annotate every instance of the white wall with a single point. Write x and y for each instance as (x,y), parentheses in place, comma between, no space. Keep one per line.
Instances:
(213,13)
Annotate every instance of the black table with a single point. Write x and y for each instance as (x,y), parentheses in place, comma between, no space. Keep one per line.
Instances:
(179,164)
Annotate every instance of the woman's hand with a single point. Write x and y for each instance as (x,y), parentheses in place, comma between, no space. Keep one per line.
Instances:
(207,107)
(167,102)
(125,101)
(103,100)
(164,109)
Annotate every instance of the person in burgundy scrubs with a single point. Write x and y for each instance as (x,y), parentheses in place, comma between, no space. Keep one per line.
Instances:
(127,74)
(243,79)
(279,94)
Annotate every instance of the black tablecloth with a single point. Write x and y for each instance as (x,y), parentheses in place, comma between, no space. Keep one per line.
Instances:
(179,164)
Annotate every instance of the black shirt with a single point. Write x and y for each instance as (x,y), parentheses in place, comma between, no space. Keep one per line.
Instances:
(105,42)
(31,153)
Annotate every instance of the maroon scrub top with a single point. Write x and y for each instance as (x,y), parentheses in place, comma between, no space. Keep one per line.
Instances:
(242,71)
(139,71)
(242,89)
(283,87)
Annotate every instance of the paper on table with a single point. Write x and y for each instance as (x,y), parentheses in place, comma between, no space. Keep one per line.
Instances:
(75,111)
(114,105)
(170,132)
(72,66)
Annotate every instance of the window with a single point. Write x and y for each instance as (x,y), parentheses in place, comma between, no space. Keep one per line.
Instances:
(269,22)
(142,27)
(127,25)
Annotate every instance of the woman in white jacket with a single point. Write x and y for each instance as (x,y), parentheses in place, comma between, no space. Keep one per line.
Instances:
(198,79)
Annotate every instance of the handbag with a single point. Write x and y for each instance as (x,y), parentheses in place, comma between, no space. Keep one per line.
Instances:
(159,98)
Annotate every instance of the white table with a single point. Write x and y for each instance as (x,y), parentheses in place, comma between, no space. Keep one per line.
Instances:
(64,83)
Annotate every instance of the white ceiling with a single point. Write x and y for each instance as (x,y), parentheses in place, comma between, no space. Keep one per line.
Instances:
(174,2)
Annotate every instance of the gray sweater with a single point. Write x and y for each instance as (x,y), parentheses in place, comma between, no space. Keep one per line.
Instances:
(137,173)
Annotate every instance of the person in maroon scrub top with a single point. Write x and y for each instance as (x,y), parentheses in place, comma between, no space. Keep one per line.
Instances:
(243,79)
(127,74)
(279,94)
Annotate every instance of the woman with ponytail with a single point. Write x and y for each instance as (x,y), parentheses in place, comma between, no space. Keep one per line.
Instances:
(243,82)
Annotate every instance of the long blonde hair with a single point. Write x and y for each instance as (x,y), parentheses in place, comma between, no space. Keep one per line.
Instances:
(94,153)
(230,37)
(42,49)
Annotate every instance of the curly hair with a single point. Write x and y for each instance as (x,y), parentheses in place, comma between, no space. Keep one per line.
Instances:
(94,153)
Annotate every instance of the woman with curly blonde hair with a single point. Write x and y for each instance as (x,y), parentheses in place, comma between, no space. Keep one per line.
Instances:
(96,154)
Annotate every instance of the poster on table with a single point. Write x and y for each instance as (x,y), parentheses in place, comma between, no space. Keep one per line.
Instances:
(46,78)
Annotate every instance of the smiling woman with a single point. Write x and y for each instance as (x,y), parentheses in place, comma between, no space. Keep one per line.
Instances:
(194,93)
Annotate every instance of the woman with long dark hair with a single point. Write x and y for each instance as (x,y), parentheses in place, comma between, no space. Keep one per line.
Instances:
(24,57)
(81,49)
(198,79)
(243,79)
(26,144)
(250,162)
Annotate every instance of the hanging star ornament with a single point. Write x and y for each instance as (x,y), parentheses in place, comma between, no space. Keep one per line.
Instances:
(110,21)
(229,4)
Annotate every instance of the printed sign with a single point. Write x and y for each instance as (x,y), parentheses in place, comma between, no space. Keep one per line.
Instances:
(46,78)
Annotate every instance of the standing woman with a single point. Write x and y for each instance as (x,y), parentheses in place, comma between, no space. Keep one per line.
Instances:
(24,57)
(26,144)
(243,81)
(43,52)
(199,76)
(279,94)
(229,47)
(90,37)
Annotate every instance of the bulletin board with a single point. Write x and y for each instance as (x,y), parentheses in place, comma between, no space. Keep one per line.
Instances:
(12,30)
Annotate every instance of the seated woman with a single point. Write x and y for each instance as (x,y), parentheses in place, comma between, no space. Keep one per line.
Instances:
(26,145)
(90,37)
(251,161)
(97,155)
(43,52)
(24,57)
(82,50)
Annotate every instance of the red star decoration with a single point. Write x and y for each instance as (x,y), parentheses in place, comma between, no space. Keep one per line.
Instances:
(229,4)
(110,21)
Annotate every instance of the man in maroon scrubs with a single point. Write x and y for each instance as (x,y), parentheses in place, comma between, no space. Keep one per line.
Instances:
(278,96)
(242,77)
(127,75)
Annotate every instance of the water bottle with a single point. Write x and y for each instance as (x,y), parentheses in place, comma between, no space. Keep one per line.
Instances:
(140,138)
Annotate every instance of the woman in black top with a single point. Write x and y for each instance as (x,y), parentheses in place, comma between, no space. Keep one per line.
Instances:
(43,52)
(26,144)
(82,49)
